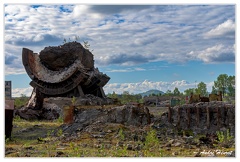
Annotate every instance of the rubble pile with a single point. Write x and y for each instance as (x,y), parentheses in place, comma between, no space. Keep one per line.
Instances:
(53,107)
(126,115)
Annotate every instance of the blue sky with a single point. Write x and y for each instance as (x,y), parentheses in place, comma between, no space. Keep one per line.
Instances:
(141,47)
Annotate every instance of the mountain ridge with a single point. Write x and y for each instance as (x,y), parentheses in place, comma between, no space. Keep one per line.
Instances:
(152,91)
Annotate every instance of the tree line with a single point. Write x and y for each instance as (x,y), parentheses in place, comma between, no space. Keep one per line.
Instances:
(223,83)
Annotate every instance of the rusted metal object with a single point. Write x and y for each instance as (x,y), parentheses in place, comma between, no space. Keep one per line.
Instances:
(179,117)
(68,114)
(188,117)
(193,116)
(9,108)
(208,117)
(76,79)
(215,97)
(169,114)
(197,115)
(194,98)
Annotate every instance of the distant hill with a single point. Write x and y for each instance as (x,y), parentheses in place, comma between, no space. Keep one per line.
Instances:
(153,91)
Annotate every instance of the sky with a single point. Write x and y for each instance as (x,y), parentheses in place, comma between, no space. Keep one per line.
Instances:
(140,47)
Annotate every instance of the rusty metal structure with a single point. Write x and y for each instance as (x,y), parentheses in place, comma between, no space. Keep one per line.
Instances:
(74,75)
(215,114)
(9,108)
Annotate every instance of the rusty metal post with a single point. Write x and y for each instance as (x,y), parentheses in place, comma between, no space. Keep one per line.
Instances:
(179,116)
(169,114)
(39,99)
(68,114)
(223,114)
(188,117)
(9,107)
(197,116)
(208,117)
(218,117)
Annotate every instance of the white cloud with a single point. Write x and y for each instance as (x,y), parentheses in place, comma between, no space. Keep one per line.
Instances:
(17,92)
(80,10)
(226,29)
(215,54)
(126,70)
(139,33)
(146,85)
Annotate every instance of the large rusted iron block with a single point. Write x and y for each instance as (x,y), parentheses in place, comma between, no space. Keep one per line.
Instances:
(62,71)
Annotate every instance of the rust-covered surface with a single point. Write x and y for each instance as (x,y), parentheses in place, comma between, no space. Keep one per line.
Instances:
(63,71)
(9,104)
(68,113)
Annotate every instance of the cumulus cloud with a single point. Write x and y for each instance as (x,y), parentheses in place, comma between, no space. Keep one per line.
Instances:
(9,59)
(122,34)
(125,59)
(126,70)
(17,92)
(114,9)
(215,54)
(226,29)
(146,85)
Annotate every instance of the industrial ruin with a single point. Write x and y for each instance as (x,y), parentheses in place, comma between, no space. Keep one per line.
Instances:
(63,71)
(60,73)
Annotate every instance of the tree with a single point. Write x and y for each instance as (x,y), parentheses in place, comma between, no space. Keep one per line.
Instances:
(231,85)
(21,101)
(125,97)
(188,92)
(153,94)
(221,83)
(214,90)
(114,95)
(176,92)
(168,93)
(202,89)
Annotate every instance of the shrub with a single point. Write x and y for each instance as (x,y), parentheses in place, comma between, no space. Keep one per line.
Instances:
(151,139)
(224,138)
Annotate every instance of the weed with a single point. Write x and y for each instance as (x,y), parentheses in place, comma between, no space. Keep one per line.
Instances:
(17,119)
(151,139)
(188,132)
(224,138)
(220,136)
(7,140)
(121,135)
(59,132)
(60,119)
(122,152)
(49,133)
(73,100)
